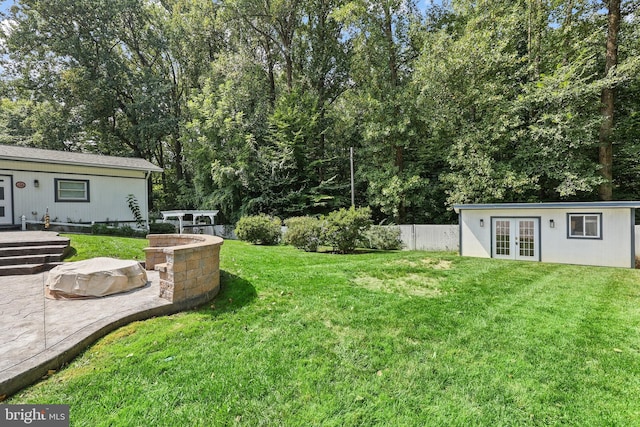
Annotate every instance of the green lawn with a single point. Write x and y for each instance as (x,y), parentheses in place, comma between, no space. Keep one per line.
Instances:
(397,338)
(85,246)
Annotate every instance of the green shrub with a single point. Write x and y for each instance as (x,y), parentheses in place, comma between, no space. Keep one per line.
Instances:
(100,229)
(384,237)
(259,229)
(303,232)
(162,228)
(128,231)
(123,231)
(345,227)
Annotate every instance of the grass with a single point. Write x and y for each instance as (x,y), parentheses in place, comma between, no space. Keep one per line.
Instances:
(85,246)
(395,338)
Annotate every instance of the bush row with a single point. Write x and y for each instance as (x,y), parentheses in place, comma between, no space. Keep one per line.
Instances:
(128,231)
(343,230)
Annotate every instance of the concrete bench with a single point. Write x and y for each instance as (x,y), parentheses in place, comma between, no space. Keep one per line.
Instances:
(189,266)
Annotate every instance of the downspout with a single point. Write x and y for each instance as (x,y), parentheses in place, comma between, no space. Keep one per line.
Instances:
(460,233)
(147,177)
(633,238)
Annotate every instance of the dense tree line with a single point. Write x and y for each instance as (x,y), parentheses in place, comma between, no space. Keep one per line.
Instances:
(251,106)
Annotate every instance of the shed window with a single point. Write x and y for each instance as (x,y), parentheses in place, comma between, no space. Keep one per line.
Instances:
(72,190)
(585,226)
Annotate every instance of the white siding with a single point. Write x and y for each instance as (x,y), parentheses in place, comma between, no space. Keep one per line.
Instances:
(108,197)
(476,239)
(614,249)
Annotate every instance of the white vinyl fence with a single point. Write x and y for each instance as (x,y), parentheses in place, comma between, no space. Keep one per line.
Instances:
(415,237)
(430,237)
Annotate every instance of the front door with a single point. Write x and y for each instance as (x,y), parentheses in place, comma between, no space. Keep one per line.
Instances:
(516,238)
(6,208)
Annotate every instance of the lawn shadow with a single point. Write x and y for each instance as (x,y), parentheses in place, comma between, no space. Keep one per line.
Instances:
(356,251)
(235,292)
(70,252)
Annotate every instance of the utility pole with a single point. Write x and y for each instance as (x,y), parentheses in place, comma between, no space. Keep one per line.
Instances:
(353,188)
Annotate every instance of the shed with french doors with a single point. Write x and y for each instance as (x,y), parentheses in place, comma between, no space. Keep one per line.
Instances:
(587,233)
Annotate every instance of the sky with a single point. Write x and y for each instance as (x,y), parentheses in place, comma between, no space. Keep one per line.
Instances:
(5,4)
(422,4)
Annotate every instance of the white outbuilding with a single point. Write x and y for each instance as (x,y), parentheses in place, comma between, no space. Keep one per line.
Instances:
(71,187)
(587,233)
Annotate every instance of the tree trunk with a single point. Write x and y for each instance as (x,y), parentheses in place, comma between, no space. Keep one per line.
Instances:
(394,80)
(391,47)
(395,83)
(270,73)
(393,73)
(177,151)
(568,21)
(606,128)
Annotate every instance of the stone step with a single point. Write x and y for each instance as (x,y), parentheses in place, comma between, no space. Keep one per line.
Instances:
(30,259)
(43,242)
(33,250)
(18,270)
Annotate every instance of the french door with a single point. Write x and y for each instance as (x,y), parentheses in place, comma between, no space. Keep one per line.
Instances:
(6,200)
(516,238)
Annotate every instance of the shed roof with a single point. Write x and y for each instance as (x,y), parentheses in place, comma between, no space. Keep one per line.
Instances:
(551,205)
(24,154)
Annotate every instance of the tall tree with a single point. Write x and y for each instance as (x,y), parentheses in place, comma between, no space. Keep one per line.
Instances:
(119,65)
(627,105)
(64,51)
(382,61)
(518,112)
(276,23)
(608,101)
(252,105)
(290,170)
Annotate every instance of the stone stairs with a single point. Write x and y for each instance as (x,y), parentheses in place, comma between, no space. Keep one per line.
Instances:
(25,252)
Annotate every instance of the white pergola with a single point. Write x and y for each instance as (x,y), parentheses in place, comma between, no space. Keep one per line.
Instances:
(180,214)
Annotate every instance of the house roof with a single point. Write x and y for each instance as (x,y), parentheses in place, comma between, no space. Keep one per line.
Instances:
(18,153)
(552,205)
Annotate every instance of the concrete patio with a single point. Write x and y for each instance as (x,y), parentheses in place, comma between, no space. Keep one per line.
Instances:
(38,334)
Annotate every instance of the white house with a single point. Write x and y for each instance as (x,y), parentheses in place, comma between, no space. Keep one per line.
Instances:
(73,187)
(588,233)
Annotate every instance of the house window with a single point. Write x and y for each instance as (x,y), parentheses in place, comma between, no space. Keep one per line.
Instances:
(585,226)
(72,190)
